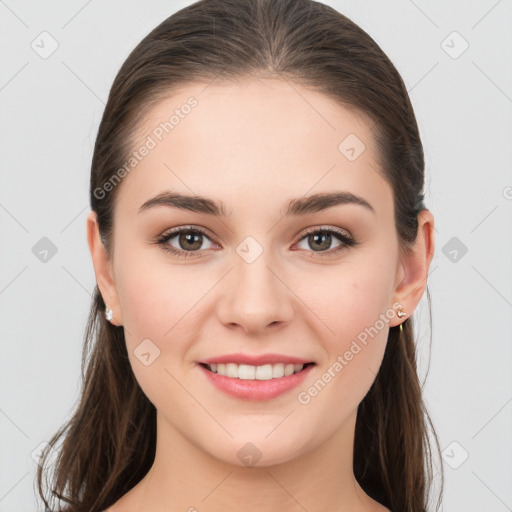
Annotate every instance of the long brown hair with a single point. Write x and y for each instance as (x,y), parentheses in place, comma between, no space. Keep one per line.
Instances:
(109,443)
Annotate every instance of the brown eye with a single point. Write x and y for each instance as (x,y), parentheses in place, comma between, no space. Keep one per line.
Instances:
(320,240)
(189,241)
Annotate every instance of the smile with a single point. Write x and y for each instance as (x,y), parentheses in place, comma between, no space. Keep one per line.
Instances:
(249,382)
(247,371)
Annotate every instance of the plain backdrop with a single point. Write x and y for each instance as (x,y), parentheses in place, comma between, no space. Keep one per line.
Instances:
(57,62)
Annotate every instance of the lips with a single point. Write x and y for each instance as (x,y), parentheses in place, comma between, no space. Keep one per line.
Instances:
(253,388)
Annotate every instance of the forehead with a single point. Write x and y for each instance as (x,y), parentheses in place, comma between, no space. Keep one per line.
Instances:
(251,109)
(254,137)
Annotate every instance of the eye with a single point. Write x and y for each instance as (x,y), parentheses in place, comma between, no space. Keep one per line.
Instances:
(189,240)
(320,239)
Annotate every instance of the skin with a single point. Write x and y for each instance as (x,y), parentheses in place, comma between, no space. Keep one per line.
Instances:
(254,145)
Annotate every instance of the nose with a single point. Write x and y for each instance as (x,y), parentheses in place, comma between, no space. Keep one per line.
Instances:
(255,297)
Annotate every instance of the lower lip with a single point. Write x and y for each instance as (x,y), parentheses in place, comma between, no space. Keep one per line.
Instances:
(252,389)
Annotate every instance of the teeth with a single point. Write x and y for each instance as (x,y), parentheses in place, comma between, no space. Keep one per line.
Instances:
(249,372)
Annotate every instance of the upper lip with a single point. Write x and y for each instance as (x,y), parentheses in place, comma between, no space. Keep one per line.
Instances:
(255,360)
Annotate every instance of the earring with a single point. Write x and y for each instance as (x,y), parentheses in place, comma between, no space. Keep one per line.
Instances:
(401,313)
(109,313)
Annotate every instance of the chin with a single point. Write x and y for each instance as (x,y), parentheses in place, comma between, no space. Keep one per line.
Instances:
(256,450)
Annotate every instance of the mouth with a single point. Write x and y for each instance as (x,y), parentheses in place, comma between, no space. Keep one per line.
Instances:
(255,383)
(250,372)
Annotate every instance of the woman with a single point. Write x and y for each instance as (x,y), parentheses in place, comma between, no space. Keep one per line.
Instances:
(260,243)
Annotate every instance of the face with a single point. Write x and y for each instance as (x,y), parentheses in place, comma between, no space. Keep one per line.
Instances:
(316,283)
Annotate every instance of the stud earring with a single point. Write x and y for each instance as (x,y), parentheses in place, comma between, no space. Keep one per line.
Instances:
(109,313)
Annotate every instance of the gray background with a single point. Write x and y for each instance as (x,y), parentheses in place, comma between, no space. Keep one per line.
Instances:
(51,108)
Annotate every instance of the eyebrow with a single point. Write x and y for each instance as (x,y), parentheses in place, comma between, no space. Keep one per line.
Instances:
(299,206)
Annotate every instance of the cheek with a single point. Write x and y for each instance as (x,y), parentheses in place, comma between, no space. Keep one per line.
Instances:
(352,297)
(164,304)
(158,311)
(154,296)
(355,312)
(355,305)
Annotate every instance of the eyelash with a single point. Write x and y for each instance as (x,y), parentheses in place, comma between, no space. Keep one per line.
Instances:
(346,240)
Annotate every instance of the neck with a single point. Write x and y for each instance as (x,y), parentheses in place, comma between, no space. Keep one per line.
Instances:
(187,478)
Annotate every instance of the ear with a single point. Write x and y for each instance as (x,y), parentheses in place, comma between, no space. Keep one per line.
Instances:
(413,268)
(103,269)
